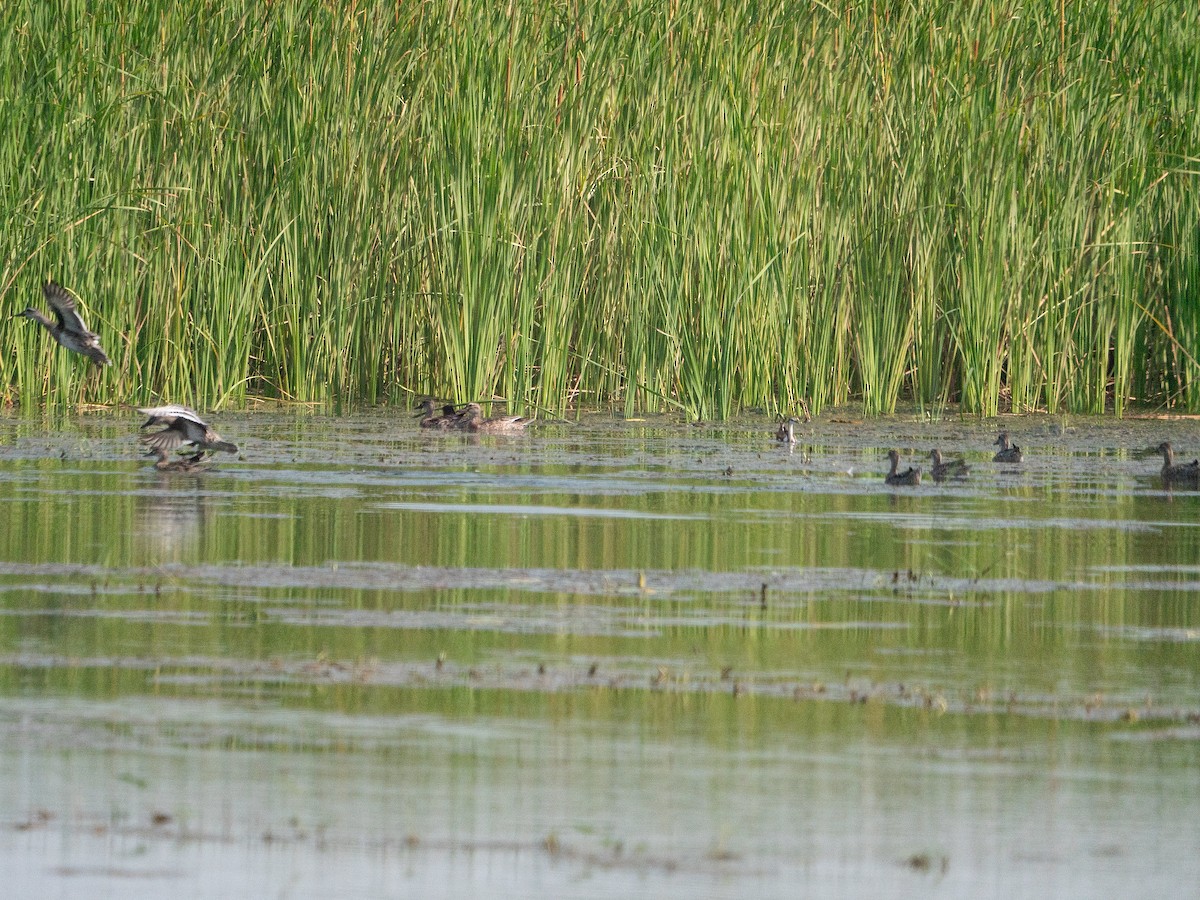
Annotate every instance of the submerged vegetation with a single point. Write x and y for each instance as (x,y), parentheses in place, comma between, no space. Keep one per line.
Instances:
(700,205)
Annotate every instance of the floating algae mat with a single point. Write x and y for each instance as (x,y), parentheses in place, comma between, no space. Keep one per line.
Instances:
(602,659)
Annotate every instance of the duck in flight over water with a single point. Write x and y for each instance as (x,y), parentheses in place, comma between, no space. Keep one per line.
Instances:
(183,426)
(67,325)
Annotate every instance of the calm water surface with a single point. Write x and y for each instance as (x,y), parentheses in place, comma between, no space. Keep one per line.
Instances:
(607,659)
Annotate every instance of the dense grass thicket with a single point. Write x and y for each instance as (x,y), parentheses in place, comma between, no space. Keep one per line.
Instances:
(699,205)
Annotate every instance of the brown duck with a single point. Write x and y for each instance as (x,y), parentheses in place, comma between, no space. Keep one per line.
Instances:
(943,469)
(431,418)
(894,477)
(471,418)
(182,465)
(1173,472)
(1008,452)
(786,432)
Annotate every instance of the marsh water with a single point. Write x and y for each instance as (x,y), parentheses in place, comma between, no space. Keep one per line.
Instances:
(604,659)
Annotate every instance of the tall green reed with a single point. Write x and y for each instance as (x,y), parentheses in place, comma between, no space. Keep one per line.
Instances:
(703,207)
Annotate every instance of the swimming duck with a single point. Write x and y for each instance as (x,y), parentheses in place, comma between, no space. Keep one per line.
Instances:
(183,465)
(1173,471)
(953,468)
(1008,452)
(430,418)
(786,432)
(471,418)
(909,476)
(184,426)
(67,326)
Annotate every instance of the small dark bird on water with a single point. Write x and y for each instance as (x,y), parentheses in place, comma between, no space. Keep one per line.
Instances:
(1008,452)
(184,426)
(1174,472)
(67,326)
(951,468)
(909,476)
(430,418)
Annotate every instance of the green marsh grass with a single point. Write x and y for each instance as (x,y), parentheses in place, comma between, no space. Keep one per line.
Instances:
(694,206)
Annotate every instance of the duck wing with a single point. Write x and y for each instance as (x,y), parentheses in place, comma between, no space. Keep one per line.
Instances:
(65,309)
(93,351)
(171,415)
(164,441)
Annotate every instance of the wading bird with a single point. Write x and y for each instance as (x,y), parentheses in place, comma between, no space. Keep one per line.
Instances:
(1008,452)
(183,427)
(1173,472)
(909,476)
(951,468)
(471,418)
(67,326)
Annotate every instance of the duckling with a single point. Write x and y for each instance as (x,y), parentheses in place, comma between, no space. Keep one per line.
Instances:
(184,426)
(953,468)
(471,418)
(67,326)
(430,418)
(909,476)
(1173,471)
(1008,452)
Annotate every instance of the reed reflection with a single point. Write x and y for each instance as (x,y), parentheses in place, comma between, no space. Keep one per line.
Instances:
(170,513)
